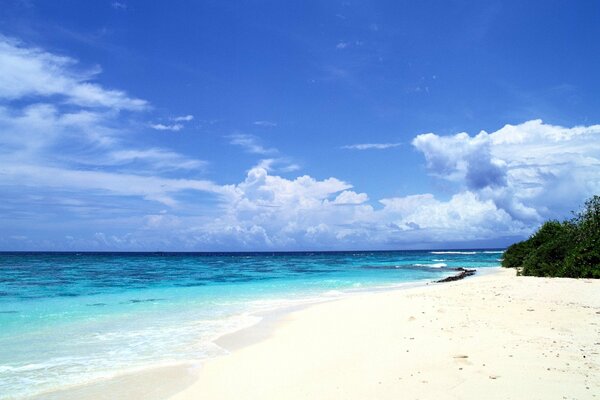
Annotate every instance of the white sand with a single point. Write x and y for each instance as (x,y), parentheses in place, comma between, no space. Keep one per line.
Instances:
(490,337)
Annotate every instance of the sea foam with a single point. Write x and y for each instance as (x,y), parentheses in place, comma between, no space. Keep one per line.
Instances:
(435,265)
(453,252)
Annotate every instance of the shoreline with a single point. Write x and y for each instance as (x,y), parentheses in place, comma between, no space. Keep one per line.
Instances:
(150,382)
(271,319)
(323,350)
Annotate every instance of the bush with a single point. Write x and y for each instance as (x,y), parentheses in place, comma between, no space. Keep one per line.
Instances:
(515,255)
(566,249)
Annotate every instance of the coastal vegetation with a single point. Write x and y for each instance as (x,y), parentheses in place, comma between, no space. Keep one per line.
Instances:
(570,248)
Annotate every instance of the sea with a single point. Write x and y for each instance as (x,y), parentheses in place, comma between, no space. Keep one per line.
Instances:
(68,319)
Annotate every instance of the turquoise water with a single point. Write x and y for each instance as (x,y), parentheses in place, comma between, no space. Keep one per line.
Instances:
(71,318)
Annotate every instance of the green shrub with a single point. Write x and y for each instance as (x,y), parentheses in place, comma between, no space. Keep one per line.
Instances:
(566,249)
(515,255)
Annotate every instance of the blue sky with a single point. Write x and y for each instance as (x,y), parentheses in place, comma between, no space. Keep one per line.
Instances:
(269,125)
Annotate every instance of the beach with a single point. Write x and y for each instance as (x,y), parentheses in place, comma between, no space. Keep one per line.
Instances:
(82,325)
(496,336)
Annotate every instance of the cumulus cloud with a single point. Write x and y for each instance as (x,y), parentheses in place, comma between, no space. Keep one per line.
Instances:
(462,158)
(269,211)
(531,170)
(350,197)
(67,152)
(371,146)
(506,183)
(279,212)
(464,217)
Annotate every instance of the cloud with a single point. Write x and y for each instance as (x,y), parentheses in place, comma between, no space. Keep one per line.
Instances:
(269,124)
(350,197)
(18,237)
(98,182)
(290,168)
(371,146)
(281,164)
(462,158)
(186,118)
(532,170)
(462,218)
(250,144)
(77,147)
(347,44)
(155,159)
(272,211)
(505,184)
(27,72)
(162,127)
(177,126)
(71,165)
(118,5)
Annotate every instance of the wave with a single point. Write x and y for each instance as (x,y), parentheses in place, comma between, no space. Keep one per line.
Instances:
(493,252)
(27,367)
(453,252)
(436,265)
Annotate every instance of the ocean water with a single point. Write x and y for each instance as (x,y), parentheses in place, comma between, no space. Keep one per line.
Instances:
(72,318)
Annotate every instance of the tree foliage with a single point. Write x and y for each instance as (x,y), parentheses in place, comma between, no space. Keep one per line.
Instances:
(567,249)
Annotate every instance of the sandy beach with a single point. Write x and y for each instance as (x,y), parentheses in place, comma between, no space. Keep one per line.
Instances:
(496,336)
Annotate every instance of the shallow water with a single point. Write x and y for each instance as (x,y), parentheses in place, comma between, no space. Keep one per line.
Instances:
(71,318)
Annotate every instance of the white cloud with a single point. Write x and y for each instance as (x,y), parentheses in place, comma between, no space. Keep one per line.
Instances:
(262,189)
(148,187)
(118,5)
(79,147)
(18,237)
(532,170)
(162,127)
(464,217)
(272,211)
(281,164)
(177,126)
(350,197)
(250,144)
(268,211)
(184,118)
(290,168)
(371,146)
(346,44)
(269,124)
(156,159)
(500,192)
(32,72)
(66,145)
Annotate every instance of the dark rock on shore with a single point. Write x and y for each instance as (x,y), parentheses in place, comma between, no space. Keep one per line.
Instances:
(463,273)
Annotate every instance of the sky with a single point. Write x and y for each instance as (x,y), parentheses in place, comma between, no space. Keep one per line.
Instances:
(294,125)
